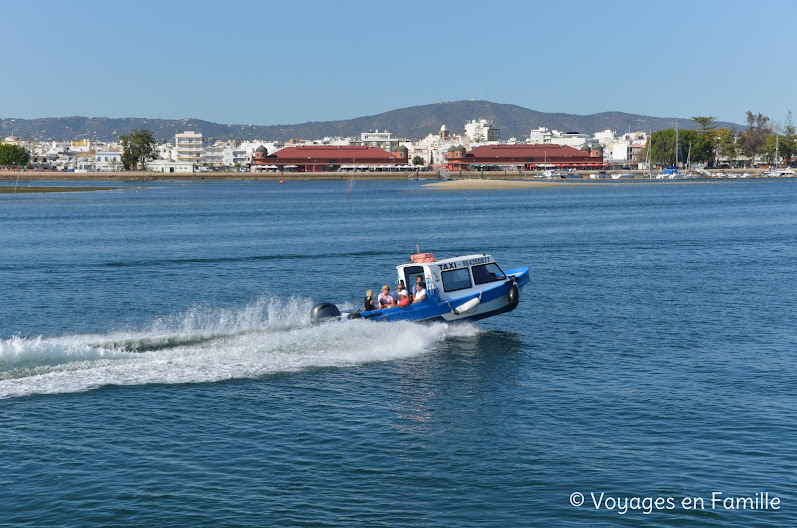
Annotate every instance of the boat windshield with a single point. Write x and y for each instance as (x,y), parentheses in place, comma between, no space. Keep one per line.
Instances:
(487,273)
(457,279)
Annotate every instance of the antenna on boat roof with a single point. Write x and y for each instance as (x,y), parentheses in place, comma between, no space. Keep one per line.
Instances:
(417,249)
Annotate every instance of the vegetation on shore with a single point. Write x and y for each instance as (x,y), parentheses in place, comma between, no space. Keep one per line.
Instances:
(13,155)
(137,148)
(707,145)
(710,144)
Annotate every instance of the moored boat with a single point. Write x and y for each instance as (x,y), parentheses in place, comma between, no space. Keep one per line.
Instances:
(463,288)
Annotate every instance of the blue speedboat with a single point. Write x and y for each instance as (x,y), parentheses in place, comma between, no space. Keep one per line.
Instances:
(464,288)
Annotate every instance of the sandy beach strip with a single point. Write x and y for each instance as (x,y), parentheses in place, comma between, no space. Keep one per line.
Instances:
(492,185)
(486,185)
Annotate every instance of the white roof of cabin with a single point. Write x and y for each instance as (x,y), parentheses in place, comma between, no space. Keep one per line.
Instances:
(448,260)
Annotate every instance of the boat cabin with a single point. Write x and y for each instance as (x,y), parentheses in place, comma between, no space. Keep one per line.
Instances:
(451,278)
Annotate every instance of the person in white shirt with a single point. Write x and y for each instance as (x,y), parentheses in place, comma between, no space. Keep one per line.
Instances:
(420,295)
(418,283)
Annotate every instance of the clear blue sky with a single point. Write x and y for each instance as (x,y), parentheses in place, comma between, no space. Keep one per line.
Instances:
(267,63)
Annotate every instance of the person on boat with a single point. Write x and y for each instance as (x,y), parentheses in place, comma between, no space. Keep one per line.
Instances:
(385,299)
(420,294)
(418,283)
(368,303)
(399,289)
(404,300)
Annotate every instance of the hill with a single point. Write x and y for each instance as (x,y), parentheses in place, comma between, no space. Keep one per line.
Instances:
(412,123)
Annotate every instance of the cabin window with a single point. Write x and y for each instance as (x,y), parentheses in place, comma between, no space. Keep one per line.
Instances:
(487,273)
(457,279)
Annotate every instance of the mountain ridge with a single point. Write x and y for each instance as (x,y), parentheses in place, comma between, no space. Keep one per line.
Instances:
(413,123)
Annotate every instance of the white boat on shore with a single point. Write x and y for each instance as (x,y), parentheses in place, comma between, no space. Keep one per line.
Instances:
(779,173)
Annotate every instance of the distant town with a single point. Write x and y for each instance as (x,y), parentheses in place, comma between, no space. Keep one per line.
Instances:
(190,152)
(477,146)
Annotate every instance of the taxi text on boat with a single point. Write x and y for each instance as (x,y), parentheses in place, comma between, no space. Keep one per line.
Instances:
(469,287)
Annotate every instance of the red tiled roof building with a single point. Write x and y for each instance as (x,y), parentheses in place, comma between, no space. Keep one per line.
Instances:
(525,157)
(328,158)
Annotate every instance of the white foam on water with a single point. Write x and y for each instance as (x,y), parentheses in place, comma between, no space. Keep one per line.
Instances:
(270,335)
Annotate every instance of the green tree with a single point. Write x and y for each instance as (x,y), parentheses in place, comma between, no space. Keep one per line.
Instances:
(705,147)
(417,160)
(662,147)
(706,123)
(13,155)
(138,146)
(696,146)
(788,142)
(692,144)
(726,144)
(754,138)
(771,148)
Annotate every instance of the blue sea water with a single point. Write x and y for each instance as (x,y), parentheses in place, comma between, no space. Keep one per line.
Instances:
(157,366)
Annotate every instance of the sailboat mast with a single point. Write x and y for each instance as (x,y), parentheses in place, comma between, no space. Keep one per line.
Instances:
(689,157)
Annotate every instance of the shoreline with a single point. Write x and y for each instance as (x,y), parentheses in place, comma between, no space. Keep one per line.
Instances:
(7,189)
(472,180)
(138,176)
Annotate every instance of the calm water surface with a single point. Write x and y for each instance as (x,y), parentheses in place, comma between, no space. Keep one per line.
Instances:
(157,367)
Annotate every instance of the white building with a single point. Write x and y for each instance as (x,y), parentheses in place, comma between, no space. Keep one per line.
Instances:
(543,136)
(433,148)
(108,160)
(326,141)
(383,140)
(235,157)
(212,156)
(540,136)
(84,164)
(481,131)
(624,148)
(188,145)
(605,137)
(168,166)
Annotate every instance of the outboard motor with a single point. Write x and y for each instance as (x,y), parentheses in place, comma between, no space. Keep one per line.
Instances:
(323,311)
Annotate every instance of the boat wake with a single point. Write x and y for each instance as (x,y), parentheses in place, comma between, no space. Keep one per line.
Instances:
(271,335)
